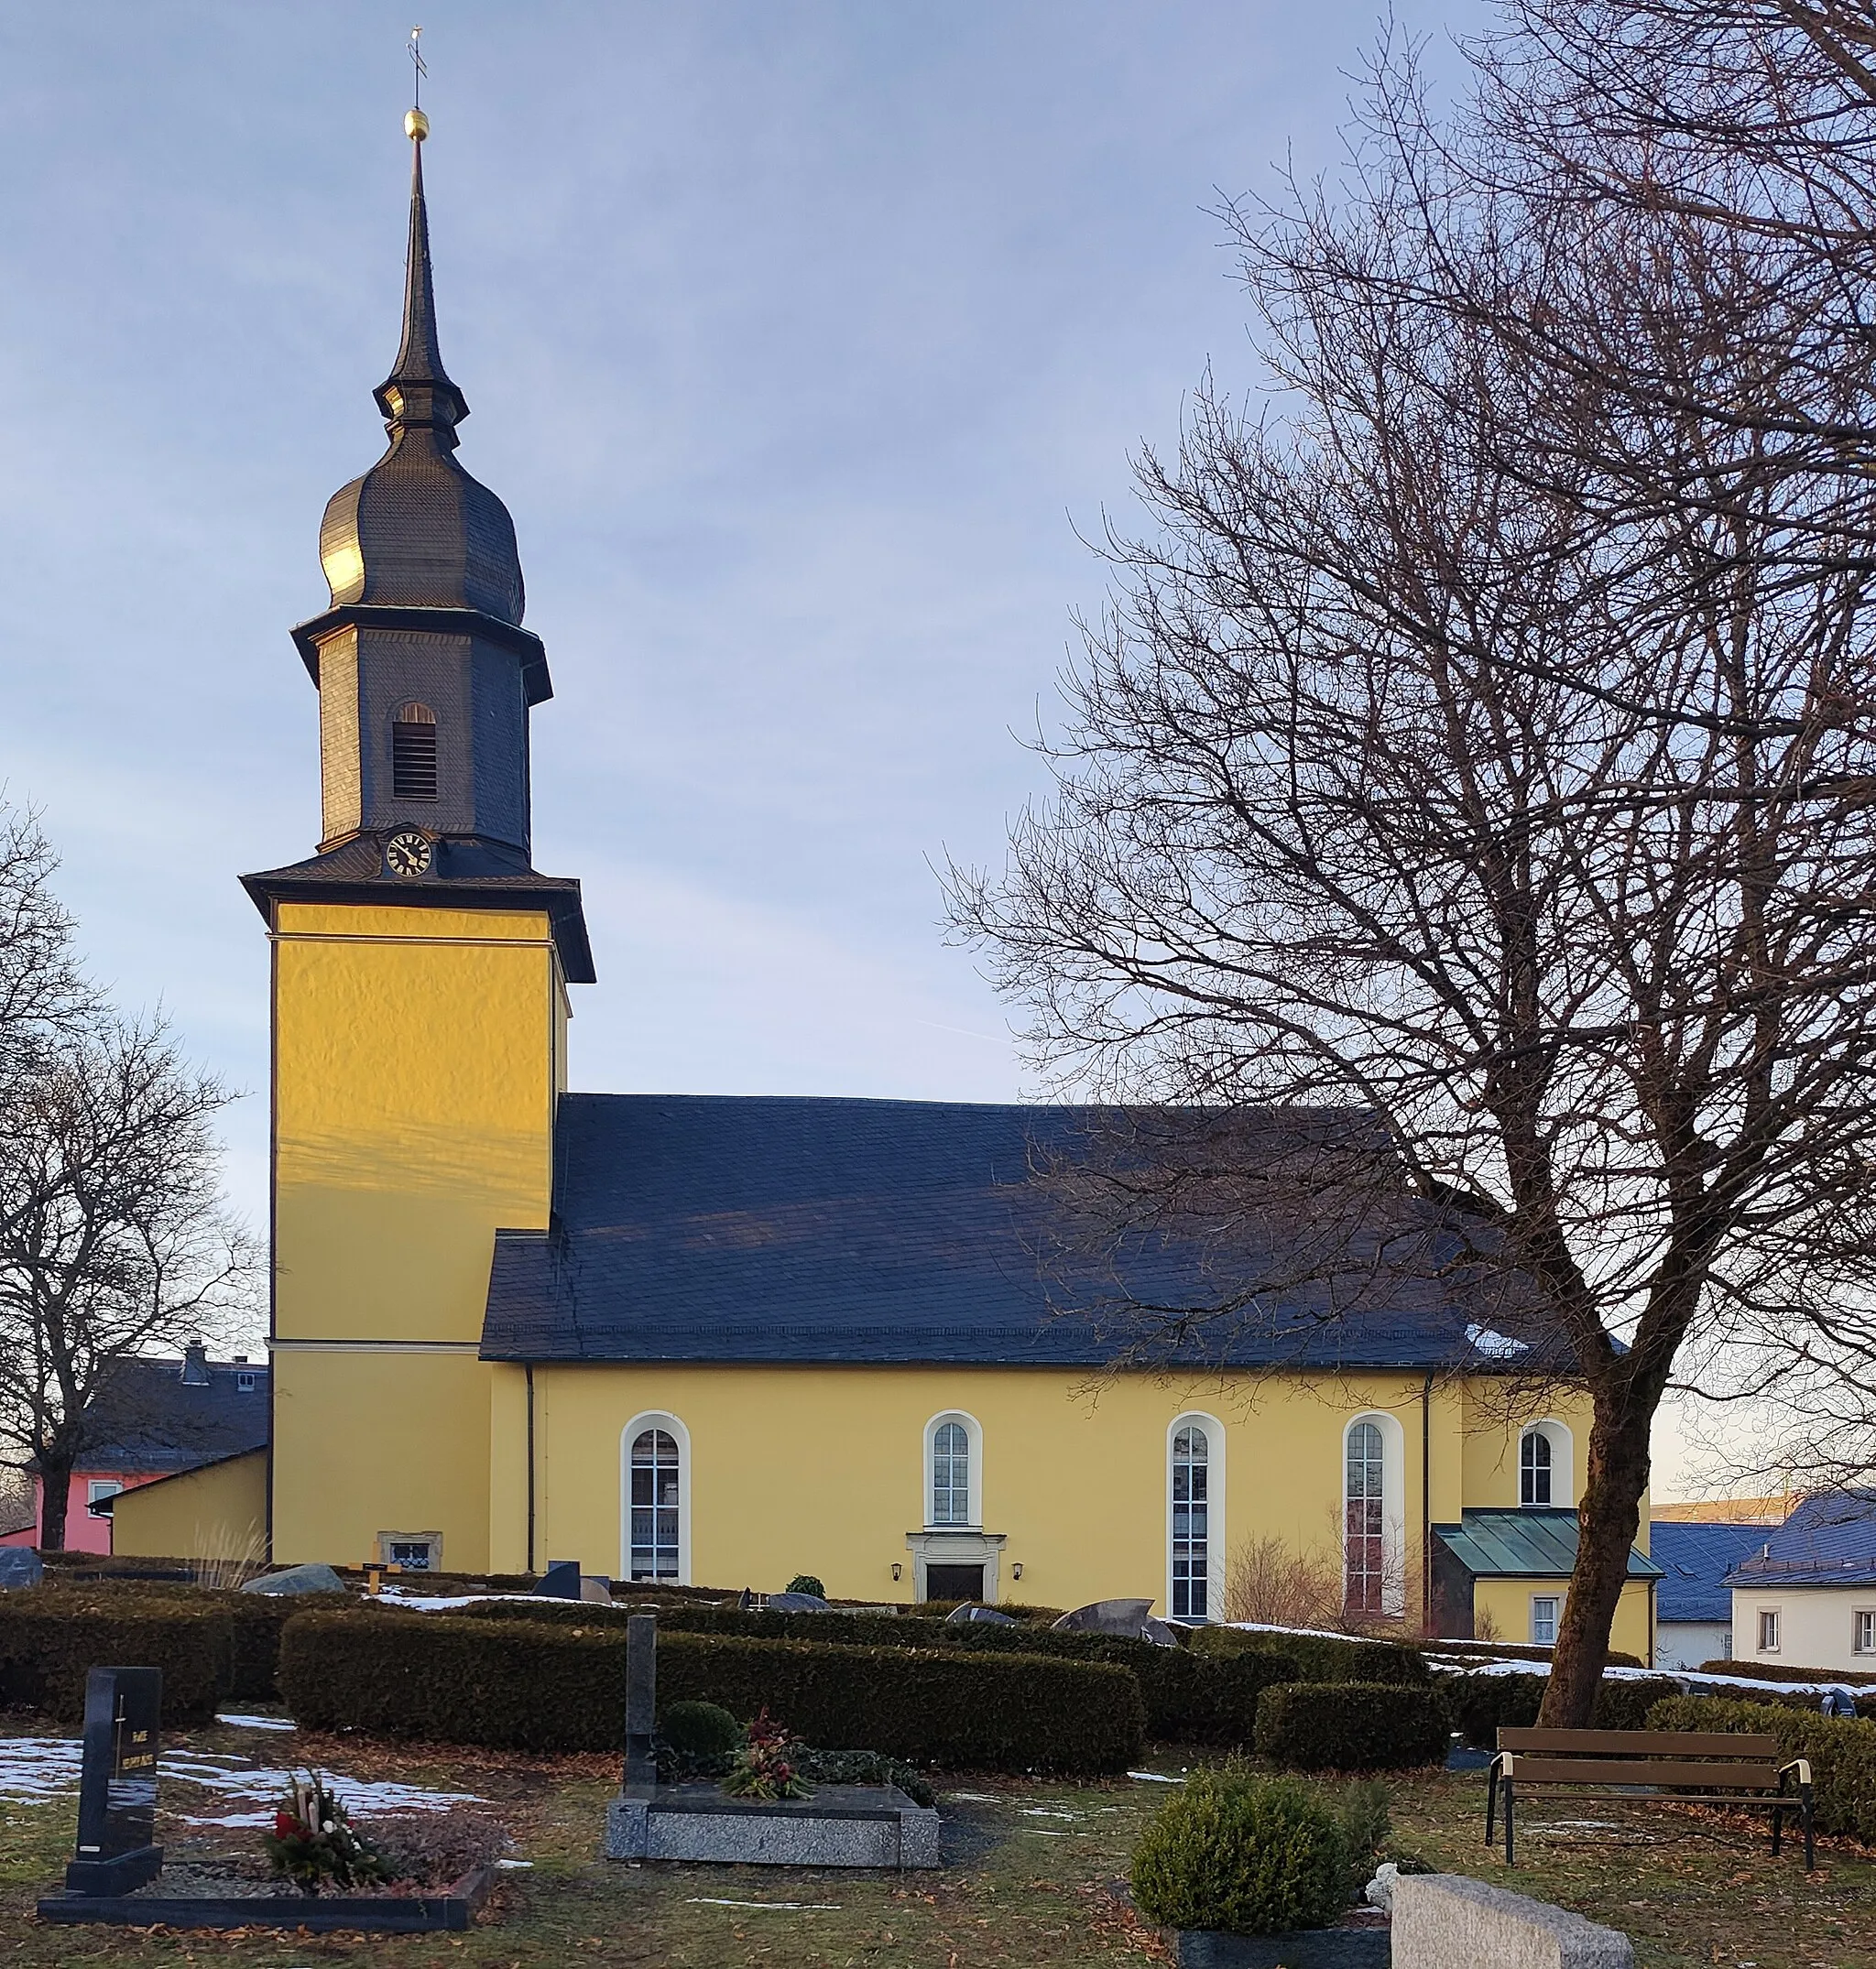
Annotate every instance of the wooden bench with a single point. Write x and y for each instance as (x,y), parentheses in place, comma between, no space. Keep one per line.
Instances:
(1685,1766)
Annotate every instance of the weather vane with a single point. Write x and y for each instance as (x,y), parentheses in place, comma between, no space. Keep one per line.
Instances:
(417,124)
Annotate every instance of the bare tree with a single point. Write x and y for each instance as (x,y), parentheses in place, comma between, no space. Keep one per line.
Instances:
(1478,746)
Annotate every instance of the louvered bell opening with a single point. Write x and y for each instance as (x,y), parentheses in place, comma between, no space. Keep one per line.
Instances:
(413,753)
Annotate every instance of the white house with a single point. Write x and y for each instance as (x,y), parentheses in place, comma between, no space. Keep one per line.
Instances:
(1806,1597)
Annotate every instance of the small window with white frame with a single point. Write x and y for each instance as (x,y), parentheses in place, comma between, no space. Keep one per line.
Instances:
(411,1552)
(1863,1630)
(1545,1609)
(1768,1630)
(953,1473)
(96,1490)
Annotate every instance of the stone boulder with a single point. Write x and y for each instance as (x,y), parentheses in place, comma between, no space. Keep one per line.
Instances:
(797,1602)
(19,1566)
(297,1578)
(968,1615)
(1131,1620)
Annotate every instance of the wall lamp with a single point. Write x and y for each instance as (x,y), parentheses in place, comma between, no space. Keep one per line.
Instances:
(896,1569)
(1016,1571)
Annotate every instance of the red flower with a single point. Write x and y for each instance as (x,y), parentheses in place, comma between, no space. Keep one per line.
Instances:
(286,1826)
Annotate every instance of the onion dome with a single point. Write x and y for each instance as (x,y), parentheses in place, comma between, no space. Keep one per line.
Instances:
(416,531)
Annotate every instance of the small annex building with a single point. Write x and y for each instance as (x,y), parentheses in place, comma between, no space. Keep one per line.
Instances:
(1805,1596)
(724,1341)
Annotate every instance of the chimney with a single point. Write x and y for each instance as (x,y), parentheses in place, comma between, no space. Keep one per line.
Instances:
(195,1365)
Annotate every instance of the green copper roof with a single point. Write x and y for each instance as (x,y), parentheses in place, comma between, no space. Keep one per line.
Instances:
(1523,1544)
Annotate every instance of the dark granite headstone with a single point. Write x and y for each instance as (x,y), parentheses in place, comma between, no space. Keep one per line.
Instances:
(19,1566)
(642,1698)
(117,1784)
(561,1581)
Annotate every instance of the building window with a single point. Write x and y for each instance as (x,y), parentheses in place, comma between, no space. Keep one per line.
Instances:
(414,1551)
(95,1491)
(951,1474)
(1863,1630)
(1191,1566)
(1533,1468)
(1768,1630)
(244,1381)
(656,1508)
(1544,1619)
(413,753)
(1366,1497)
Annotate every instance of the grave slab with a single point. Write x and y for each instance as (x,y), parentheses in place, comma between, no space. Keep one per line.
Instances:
(840,1825)
(1448,1922)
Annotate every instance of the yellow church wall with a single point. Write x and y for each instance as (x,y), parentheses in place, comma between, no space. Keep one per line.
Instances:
(821,1469)
(1506,1602)
(217,1511)
(417,1053)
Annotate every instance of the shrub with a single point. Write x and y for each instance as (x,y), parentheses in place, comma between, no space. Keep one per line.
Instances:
(1254,1856)
(1480,1705)
(1322,1657)
(806,1582)
(1774,1671)
(1622,1703)
(544,1685)
(1350,1726)
(1842,1751)
(52,1636)
(1613,1658)
(699,1729)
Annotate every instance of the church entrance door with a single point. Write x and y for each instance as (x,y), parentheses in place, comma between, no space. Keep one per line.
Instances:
(954,1582)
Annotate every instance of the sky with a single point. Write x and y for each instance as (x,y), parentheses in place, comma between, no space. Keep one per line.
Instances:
(807,341)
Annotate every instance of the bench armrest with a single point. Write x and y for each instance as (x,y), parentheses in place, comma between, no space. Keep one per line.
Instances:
(1802,1765)
(1500,1765)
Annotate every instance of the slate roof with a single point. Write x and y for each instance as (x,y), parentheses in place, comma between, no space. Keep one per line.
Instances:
(1829,1541)
(1695,1559)
(707,1228)
(1524,1544)
(147,1418)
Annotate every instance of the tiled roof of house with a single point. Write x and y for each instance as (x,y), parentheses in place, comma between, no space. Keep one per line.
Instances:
(1829,1540)
(1695,1559)
(147,1416)
(1523,1544)
(700,1228)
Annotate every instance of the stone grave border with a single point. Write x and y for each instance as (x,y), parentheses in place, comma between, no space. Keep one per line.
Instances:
(454,1908)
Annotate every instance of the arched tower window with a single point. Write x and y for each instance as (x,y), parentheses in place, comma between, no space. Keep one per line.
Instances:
(1366,1507)
(951,1474)
(413,753)
(655,1479)
(1545,1476)
(1192,1567)
(1533,1468)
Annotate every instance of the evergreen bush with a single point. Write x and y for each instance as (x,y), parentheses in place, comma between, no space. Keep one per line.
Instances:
(559,1685)
(806,1582)
(1841,1749)
(1322,1657)
(1480,1705)
(1350,1726)
(1254,1856)
(52,1636)
(699,1729)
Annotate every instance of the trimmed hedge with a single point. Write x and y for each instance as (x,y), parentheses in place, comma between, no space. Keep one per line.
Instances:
(1771,1672)
(51,1636)
(1480,1705)
(1350,1726)
(1189,1697)
(1322,1657)
(544,1685)
(1842,1751)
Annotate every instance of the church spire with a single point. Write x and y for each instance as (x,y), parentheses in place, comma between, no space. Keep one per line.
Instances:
(419,392)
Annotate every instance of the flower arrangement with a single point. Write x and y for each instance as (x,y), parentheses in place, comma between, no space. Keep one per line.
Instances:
(314,1840)
(764,1767)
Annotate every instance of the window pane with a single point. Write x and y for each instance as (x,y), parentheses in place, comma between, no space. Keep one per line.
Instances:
(655,1513)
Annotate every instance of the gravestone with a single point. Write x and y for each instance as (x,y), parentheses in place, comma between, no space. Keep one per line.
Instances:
(641,1699)
(117,1783)
(560,1582)
(19,1566)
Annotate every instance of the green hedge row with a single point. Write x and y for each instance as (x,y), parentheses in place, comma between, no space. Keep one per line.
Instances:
(1189,1697)
(1352,1726)
(1321,1657)
(1480,1705)
(51,1636)
(1774,1671)
(559,1685)
(1842,1751)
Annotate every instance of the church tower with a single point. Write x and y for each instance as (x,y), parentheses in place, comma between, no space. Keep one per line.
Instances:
(421,966)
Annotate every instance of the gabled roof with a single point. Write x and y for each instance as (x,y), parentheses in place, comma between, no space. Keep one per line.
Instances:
(1829,1540)
(1524,1544)
(705,1228)
(1695,1559)
(146,1417)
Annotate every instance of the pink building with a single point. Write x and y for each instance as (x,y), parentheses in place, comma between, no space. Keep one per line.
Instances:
(154,1418)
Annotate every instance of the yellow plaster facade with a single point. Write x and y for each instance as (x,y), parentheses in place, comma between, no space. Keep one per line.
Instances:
(218,1510)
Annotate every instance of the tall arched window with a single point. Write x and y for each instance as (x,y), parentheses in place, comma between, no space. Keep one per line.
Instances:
(413,753)
(951,1474)
(1533,1468)
(1364,1538)
(1191,1565)
(656,1549)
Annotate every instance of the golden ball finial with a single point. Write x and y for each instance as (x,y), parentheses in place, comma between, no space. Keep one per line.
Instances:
(416,124)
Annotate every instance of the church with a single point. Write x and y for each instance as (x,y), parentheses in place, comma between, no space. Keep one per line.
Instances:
(724,1341)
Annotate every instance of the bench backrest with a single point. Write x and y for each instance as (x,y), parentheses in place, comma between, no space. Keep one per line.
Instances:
(1733,1748)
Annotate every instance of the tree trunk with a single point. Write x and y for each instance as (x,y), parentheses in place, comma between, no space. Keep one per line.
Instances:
(55,1490)
(1608,1520)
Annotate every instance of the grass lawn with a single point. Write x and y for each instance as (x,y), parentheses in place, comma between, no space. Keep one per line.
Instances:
(1028,1879)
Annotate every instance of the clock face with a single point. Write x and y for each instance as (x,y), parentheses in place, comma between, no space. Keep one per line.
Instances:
(408,854)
